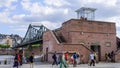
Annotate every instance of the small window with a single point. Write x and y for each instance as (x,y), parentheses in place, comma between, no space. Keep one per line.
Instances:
(108,44)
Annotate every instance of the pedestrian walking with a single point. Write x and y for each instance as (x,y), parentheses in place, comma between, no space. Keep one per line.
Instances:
(92,59)
(74,59)
(96,57)
(54,57)
(82,59)
(19,60)
(78,58)
(67,58)
(62,61)
(31,59)
(20,57)
(15,64)
(112,56)
(106,57)
(109,57)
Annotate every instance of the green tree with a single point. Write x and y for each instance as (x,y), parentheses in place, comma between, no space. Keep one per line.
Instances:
(4,46)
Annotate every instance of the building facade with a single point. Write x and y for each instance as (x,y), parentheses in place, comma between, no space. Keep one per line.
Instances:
(9,39)
(81,36)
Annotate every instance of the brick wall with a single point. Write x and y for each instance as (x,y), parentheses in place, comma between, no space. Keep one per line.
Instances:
(53,46)
(89,32)
(77,32)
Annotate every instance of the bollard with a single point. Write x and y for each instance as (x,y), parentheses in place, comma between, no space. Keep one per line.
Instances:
(5,62)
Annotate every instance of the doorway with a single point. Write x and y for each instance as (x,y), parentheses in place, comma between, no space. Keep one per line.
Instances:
(96,48)
(46,54)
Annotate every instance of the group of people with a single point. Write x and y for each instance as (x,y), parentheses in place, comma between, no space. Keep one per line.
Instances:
(109,57)
(18,60)
(64,59)
(75,58)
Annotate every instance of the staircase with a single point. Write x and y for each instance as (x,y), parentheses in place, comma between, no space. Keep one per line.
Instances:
(60,38)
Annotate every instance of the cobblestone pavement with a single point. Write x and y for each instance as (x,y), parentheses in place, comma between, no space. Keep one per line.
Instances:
(99,65)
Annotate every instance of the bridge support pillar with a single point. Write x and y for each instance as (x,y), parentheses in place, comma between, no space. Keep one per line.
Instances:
(30,49)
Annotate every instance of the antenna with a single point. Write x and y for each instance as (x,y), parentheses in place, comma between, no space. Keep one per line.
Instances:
(86,13)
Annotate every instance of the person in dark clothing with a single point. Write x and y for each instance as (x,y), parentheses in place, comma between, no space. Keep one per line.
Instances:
(112,56)
(109,57)
(31,59)
(16,61)
(74,61)
(54,57)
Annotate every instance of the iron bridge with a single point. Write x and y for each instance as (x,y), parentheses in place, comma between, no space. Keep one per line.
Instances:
(33,35)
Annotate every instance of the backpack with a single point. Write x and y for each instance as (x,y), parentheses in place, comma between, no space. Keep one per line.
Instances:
(53,56)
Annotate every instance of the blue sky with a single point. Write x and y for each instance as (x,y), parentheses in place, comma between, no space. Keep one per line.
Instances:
(16,15)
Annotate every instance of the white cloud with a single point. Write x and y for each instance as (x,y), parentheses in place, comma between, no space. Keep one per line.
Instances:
(4,17)
(18,17)
(66,11)
(5,7)
(7,3)
(26,4)
(51,25)
(20,28)
(115,19)
(39,12)
(57,3)
(108,3)
(41,9)
(38,9)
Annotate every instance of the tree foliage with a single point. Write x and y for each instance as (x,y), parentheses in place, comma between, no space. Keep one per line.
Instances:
(4,46)
(36,45)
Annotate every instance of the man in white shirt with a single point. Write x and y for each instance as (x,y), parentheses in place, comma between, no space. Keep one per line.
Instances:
(92,59)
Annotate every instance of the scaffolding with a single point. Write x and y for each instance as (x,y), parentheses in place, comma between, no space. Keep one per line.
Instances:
(86,13)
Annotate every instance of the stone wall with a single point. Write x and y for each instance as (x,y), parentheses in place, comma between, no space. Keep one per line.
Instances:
(52,45)
(6,52)
(80,36)
(89,33)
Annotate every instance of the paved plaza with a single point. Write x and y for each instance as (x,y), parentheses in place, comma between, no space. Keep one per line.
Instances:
(99,65)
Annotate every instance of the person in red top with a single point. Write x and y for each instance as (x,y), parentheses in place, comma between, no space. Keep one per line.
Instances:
(67,57)
(19,59)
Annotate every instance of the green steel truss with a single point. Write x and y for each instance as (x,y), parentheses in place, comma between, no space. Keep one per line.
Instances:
(33,35)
